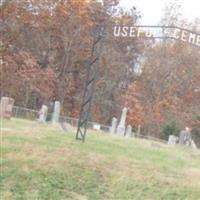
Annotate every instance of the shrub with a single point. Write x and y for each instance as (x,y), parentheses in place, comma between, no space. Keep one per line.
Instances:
(170,129)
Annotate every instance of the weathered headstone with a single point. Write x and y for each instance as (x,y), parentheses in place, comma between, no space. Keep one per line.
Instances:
(133,134)
(6,106)
(43,113)
(185,138)
(66,127)
(121,127)
(129,131)
(113,125)
(172,140)
(97,127)
(139,130)
(56,112)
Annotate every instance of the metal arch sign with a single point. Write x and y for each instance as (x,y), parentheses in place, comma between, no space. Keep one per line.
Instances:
(162,32)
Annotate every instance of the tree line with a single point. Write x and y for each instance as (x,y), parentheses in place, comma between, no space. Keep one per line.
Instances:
(45,46)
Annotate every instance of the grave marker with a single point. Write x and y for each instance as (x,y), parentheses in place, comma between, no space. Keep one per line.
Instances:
(121,127)
(6,107)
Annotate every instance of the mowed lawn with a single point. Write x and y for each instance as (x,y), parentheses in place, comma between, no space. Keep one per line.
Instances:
(43,162)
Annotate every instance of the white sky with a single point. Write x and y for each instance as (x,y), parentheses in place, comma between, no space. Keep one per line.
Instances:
(152,10)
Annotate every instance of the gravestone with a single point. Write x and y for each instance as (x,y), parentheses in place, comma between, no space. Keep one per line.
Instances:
(121,127)
(113,125)
(6,106)
(139,130)
(56,112)
(133,134)
(185,138)
(43,113)
(97,127)
(193,145)
(129,131)
(172,140)
(66,127)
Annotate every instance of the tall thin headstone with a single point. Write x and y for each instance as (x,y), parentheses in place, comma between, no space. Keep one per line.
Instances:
(129,131)
(113,125)
(121,127)
(43,113)
(56,112)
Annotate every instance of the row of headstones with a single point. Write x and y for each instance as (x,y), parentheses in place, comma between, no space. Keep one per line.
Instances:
(121,129)
(6,106)
(44,112)
(7,103)
(183,139)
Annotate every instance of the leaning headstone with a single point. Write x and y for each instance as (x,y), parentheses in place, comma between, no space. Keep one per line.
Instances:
(172,140)
(129,131)
(113,125)
(56,112)
(121,127)
(43,114)
(6,106)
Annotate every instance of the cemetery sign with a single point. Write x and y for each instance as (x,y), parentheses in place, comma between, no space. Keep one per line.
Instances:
(171,32)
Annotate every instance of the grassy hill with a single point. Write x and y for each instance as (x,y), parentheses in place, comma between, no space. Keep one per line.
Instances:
(42,162)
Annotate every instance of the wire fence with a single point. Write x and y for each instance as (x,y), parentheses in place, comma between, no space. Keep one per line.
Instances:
(25,113)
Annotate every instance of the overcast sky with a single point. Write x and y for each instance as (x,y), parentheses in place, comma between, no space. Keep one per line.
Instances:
(152,10)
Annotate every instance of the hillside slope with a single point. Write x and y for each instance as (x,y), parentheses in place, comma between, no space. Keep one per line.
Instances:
(42,162)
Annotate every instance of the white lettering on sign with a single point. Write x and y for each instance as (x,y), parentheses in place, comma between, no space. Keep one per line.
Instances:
(184,36)
(176,33)
(192,38)
(132,32)
(117,31)
(126,31)
(198,41)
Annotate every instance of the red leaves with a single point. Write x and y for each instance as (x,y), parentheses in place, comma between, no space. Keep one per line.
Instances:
(26,71)
(133,102)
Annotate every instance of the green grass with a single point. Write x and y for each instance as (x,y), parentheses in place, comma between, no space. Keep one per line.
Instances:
(42,162)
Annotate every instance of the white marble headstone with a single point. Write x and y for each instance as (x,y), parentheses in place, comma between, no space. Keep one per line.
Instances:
(113,125)
(56,112)
(172,140)
(139,130)
(43,113)
(129,131)
(97,127)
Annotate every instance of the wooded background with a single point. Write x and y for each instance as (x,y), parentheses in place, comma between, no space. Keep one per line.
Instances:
(45,45)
